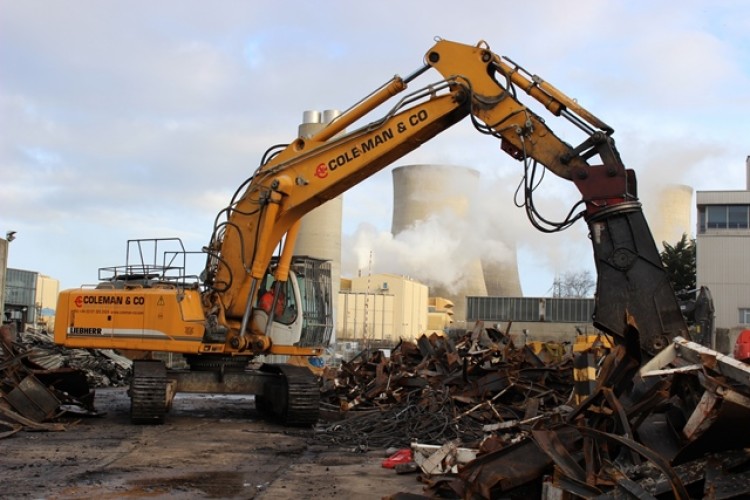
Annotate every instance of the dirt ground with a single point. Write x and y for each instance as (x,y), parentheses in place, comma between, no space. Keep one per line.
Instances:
(209,447)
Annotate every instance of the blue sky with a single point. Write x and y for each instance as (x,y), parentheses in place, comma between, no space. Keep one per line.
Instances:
(139,119)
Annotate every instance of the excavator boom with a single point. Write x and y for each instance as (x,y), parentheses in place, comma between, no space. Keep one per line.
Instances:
(477,83)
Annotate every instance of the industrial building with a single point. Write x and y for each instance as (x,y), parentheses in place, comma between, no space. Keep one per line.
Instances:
(439,314)
(723,254)
(27,298)
(30,299)
(383,307)
(543,319)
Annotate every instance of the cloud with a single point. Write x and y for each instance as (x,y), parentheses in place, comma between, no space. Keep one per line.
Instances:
(143,117)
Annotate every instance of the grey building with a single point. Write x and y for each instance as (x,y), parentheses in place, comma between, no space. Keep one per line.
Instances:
(526,319)
(723,253)
(20,297)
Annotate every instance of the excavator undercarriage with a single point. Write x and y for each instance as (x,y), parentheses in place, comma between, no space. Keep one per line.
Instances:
(283,393)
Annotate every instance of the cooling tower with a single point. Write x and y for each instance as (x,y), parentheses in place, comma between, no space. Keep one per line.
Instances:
(501,277)
(320,231)
(420,191)
(670,217)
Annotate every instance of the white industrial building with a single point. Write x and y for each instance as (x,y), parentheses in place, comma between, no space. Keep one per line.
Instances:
(383,307)
(723,253)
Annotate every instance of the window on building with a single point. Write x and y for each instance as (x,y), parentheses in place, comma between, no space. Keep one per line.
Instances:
(745,315)
(723,217)
(737,216)
(716,217)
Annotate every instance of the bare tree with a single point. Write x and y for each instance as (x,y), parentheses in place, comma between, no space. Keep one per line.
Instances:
(574,284)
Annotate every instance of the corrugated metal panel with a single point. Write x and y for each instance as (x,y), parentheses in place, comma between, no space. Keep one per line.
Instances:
(723,259)
(723,265)
(722,197)
(559,310)
(569,310)
(371,314)
(501,309)
(409,305)
(20,287)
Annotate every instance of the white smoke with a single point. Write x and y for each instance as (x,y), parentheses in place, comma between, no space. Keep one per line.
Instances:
(441,249)
(438,250)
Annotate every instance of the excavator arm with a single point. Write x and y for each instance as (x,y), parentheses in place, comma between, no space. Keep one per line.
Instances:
(632,289)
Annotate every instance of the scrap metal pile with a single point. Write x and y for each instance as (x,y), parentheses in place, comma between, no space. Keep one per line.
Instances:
(102,367)
(40,381)
(439,390)
(673,427)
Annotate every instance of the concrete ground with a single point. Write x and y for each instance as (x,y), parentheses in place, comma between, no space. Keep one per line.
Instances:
(209,447)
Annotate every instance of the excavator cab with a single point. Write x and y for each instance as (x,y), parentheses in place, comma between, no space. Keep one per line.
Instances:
(300,309)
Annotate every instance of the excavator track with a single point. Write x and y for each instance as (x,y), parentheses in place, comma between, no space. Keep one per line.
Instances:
(148,392)
(291,397)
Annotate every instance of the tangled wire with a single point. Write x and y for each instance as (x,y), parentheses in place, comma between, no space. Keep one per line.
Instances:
(418,418)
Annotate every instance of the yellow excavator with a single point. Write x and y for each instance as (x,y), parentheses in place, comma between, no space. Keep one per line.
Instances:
(220,319)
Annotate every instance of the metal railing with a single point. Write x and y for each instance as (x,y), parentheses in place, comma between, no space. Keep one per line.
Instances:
(153,260)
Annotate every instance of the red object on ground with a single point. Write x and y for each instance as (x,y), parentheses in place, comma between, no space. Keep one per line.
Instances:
(400,457)
(742,346)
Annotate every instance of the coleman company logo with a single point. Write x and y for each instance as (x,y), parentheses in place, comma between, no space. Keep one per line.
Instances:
(83,300)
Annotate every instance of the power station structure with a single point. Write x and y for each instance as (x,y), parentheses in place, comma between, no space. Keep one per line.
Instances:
(501,277)
(422,191)
(320,230)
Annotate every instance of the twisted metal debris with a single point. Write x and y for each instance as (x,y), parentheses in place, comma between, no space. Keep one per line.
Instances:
(102,367)
(400,425)
(674,426)
(40,381)
(439,390)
